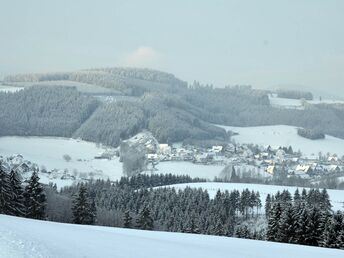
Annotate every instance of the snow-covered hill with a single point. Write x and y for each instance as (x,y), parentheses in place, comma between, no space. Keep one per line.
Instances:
(336,196)
(284,135)
(21,237)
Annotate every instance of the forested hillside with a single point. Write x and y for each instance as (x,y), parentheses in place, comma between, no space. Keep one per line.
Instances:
(44,111)
(163,104)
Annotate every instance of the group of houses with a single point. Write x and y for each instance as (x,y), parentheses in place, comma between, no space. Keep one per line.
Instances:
(259,158)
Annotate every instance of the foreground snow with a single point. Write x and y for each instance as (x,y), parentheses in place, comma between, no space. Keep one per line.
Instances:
(336,196)
(284,135)
(29,238)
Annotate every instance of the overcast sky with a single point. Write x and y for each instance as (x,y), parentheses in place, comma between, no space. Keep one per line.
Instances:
(263,43)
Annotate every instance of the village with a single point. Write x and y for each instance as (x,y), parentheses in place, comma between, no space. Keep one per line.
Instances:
(255,160)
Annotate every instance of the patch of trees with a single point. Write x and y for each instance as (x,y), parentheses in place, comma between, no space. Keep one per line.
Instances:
(310,134)
(188,210)
(295,94)
(18,200)
(44,111)
(154,180)
(305,219)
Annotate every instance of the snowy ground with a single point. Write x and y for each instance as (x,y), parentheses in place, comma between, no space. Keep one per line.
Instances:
(298,103)
(284,135)
(189,168)
(336,196)
(4,88)
(83,87)
(49,151)
(21,237)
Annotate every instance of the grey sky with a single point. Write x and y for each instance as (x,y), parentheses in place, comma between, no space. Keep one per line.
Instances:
(264,43)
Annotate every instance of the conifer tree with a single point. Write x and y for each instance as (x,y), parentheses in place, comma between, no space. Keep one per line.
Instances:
(127,219)
(35,198)
(273,230)
(302,224)
(145,220)
(329,236)
(5,192)
(297,197)
(286,226)
(93,212)
(340,239)
(82,213)
(267,205)
(17,207)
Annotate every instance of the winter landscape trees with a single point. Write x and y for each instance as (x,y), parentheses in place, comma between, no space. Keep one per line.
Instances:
(17,200)
(305,218)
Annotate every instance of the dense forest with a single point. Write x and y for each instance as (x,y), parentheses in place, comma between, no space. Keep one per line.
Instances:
(44,111)
(163,104)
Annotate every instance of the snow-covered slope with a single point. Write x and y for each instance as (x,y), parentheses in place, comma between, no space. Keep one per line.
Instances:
(34,239)
(336,196)
(284,135)
(189,168)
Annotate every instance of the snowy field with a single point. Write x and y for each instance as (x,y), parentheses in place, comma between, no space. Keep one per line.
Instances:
(336,196)
(188,168)
(83,87)
(298,103)
(284,135)
(285,103)
(49,151)
(21,237)
(4,88)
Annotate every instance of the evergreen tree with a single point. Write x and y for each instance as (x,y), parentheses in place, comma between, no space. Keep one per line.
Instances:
(35,198)
(17,207)
(340,239)
(297,197)
(329,236)
(267,205)
(145,220)
(325,204)
(313,230)
(5,192)
(218,228)
(127,219)
(191,226)
(81,209)
(93,213)
(273,231)
(287,226)
(302,223)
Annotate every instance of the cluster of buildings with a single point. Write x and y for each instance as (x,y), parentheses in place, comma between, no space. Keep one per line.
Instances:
(262,160)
